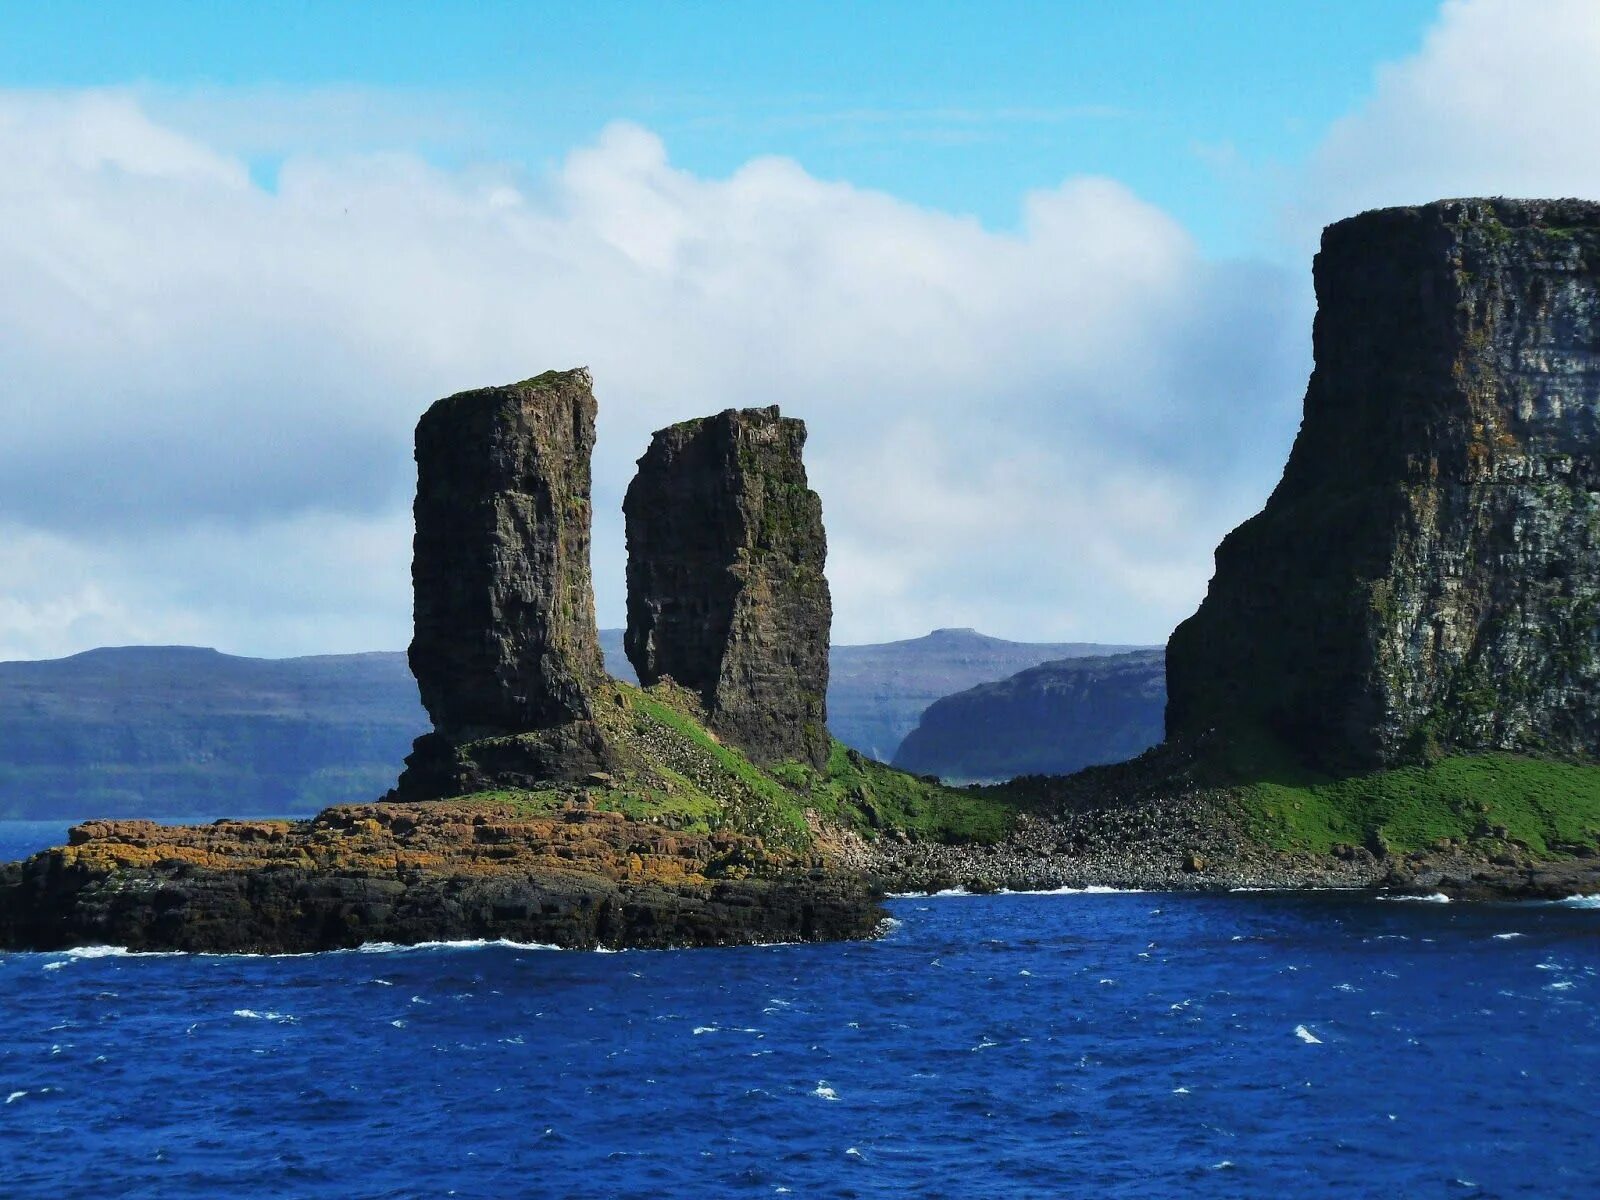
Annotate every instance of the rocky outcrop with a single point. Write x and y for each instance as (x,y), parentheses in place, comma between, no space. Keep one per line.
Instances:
(726,591)
(505,644)
(575,878)
(1426,576)
(1053,719)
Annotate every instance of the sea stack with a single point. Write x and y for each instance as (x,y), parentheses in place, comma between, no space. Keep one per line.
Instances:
(505,645)
(1425,579)
(726,591)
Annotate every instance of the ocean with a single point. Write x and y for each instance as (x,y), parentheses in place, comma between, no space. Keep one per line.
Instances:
(1089,1044)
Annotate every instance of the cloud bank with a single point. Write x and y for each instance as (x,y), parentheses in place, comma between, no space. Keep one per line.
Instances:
(1497,101)
(210,385)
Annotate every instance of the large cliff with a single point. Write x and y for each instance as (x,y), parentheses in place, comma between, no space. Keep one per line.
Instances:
(1425,579)
(726,591)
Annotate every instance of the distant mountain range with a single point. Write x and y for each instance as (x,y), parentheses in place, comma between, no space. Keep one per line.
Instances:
(877,692)
(1052,719)
(179,731)
(186,731)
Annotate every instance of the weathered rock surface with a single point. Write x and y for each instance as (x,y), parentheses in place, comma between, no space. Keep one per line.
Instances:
(726,591)
(1426,576)
(1053,719)
(408,873)
(505,642)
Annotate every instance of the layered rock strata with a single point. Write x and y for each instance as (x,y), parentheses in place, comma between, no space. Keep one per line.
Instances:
(405,873)
(726,591)
(506,652)
(1426,576)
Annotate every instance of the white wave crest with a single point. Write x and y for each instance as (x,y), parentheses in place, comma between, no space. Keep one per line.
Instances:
(1093,889)
(823,1092)
(1306,1036)
(250,1014)
(1433,898)
(450,944)
(92,952)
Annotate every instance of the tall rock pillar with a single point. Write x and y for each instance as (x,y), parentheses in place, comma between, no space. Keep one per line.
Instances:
(505,643)
(1426,576)
(726,591)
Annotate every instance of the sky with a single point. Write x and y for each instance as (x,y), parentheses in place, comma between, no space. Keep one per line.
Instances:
(1036,276)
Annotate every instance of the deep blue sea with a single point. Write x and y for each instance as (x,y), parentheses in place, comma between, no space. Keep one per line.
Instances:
(1076,1045)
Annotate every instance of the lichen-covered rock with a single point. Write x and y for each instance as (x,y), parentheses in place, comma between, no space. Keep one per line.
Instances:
(408,873)
(1426,576)
(505,642)
(726,591)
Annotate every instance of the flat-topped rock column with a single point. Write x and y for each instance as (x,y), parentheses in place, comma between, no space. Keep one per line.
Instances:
(505,628)
(505,642)
(726,590)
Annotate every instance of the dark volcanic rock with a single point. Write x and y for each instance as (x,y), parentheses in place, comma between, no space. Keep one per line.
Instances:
(1052,719)
(505,632)
(726,591)
(505,642)
(1426,576)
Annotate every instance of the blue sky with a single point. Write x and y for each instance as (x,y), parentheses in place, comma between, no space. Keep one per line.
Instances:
(962,107)
(1037,276)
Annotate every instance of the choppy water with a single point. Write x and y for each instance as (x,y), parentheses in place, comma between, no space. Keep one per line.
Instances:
(1123,1045)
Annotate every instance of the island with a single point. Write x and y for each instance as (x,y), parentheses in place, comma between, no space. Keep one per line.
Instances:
(1392,680)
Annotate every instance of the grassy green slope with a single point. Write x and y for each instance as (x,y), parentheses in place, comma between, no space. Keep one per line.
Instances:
(671,769)
(1547,804)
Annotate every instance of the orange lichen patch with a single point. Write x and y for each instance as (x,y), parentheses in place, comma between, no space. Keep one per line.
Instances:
(445,837)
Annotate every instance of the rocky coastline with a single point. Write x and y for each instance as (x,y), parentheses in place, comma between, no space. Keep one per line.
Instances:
(1417,597)
(578,879)
(1166,848)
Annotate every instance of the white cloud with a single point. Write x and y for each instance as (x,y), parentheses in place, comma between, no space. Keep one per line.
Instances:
(209,388)
(1499,100)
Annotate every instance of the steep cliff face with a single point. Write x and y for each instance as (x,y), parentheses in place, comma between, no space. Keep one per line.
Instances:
(726,591)
(505,643)
(505,631)
(1426,576)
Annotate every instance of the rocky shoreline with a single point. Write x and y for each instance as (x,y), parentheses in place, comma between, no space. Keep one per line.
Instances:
(578,879)
(1197,846)
(587,879)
